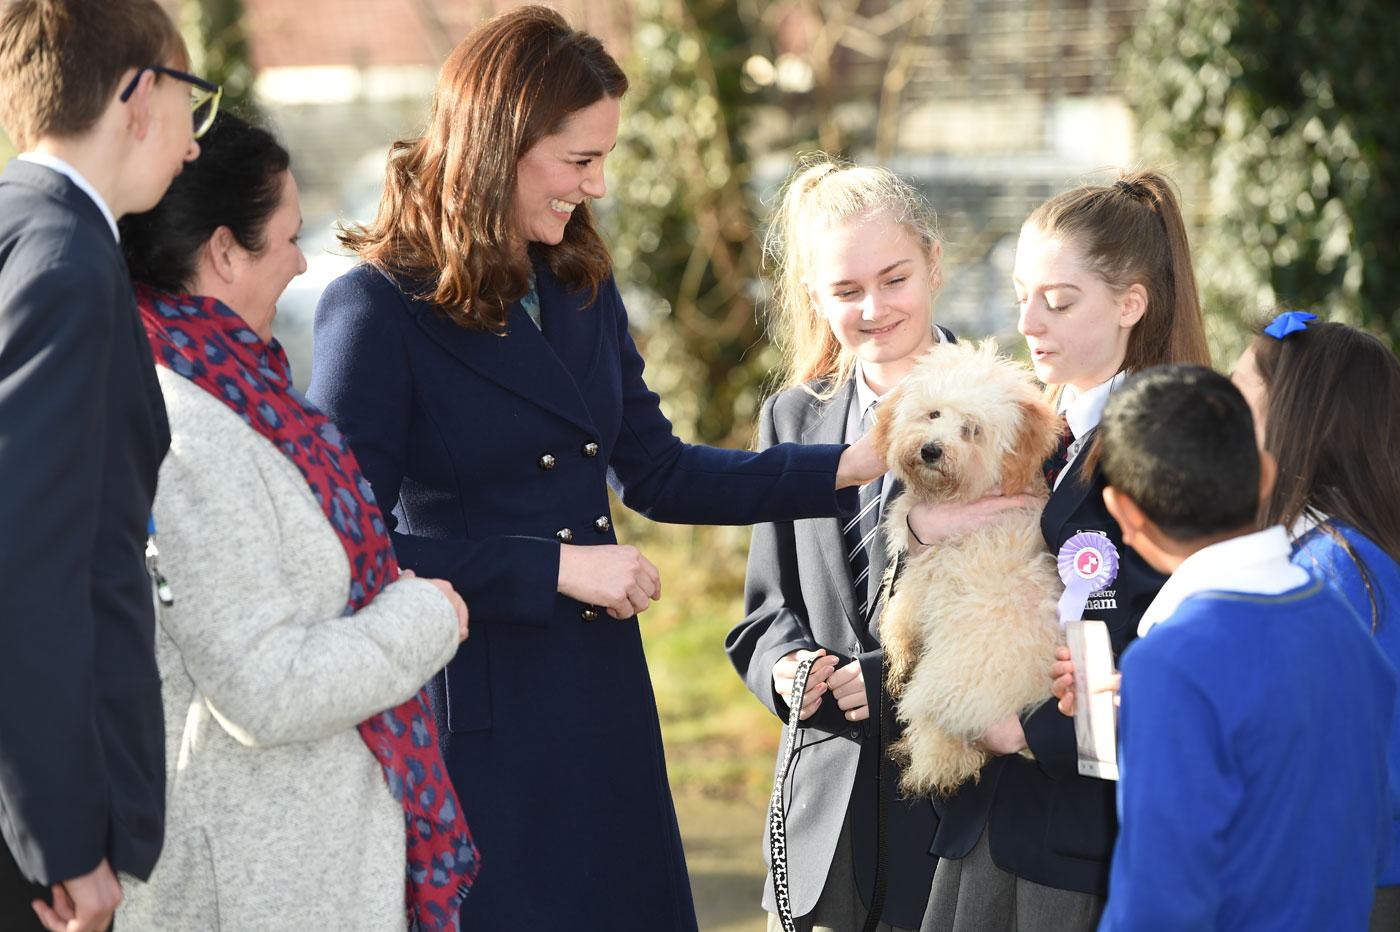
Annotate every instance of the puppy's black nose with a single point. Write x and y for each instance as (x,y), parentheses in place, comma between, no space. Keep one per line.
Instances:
(931,452)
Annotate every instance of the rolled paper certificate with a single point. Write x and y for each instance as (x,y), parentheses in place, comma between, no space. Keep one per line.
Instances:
(1088,562)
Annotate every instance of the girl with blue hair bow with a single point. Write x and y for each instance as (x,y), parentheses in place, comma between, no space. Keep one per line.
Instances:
(1326,403)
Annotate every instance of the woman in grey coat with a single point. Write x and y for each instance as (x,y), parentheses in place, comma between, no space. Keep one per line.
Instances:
(305,785)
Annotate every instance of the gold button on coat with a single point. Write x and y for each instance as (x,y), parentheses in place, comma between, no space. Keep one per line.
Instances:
(564,535)
(602,525)
(546,461)
(590,449)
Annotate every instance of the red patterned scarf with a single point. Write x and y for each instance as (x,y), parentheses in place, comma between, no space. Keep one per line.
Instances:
(206,342)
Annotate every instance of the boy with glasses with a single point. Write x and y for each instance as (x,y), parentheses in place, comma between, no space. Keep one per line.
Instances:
(90,91)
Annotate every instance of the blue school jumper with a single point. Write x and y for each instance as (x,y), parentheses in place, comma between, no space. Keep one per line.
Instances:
(1319,552)
(1253,792)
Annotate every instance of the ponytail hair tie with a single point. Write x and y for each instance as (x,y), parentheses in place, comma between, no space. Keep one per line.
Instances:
(1130,188)
(1289,322)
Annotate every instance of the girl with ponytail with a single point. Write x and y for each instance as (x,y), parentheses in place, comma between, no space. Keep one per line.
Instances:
(1104,287)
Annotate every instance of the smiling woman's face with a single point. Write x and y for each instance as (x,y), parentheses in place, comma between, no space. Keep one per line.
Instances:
(873,281)
(562,170)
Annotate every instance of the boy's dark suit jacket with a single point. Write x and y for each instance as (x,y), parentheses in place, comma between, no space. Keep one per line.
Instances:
(1047,823)
(82,434)
(799,595)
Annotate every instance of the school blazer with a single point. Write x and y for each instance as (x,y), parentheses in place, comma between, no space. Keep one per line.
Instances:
(799,595)
(1045,822)
(82,434)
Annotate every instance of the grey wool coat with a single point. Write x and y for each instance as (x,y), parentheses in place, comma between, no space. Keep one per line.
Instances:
(279,817)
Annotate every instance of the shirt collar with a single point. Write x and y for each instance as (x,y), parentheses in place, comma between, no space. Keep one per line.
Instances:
(1254,564)
(1083,410)
(54,163)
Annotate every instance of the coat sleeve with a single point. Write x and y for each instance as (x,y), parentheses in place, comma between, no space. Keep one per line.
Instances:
(54,791)
(269,673)
(775,621)
(667,480)
(363,380)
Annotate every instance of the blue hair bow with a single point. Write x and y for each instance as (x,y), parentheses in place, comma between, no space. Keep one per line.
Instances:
(1288,322)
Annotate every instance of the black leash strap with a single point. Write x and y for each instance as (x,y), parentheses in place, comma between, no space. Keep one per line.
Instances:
(777,818)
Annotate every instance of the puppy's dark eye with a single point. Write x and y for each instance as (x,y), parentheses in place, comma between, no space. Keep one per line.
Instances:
(934,415)
(971,430)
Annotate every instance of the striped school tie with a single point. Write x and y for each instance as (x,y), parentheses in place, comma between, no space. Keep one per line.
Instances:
(860,532)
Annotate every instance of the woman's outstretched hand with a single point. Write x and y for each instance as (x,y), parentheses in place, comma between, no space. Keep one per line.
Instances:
(860,463)
(611,576)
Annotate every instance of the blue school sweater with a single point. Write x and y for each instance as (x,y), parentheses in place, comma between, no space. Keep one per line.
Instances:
(1253,755)
(1319,553)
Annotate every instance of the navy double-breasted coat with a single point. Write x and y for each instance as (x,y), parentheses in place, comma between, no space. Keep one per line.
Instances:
(489,450)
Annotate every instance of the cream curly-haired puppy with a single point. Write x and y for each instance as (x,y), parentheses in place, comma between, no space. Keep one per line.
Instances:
(971,628)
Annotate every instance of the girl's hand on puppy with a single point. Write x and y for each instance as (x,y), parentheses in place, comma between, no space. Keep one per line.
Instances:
(848,686)
(1005,737)
(785,672)
(860,463)
(615,577)
(933,523)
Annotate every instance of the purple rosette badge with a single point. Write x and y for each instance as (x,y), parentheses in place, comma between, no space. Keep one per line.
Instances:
(1088,562)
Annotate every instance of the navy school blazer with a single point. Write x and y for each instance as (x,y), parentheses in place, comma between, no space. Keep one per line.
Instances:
(1045,822)
(82,434)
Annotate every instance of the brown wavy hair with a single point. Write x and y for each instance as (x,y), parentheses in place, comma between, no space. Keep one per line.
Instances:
(446,225)
(1332,421)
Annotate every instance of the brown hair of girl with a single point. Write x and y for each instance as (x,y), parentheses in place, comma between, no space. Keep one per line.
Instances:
(1132,232)
(1332,421)
(446,221)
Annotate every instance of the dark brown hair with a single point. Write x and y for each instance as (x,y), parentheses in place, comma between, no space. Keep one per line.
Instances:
(1332,420)
(60,60)
(236,182)
(446,221)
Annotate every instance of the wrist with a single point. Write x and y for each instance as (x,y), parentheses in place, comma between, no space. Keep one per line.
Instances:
(913,533)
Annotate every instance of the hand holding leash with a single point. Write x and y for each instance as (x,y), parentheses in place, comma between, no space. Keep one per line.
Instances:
(848,686)
(785,673)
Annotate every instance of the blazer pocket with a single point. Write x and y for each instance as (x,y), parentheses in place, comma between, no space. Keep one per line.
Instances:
(1083,822)
(469,684)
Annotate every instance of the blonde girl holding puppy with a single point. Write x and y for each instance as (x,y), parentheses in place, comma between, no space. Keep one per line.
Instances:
(1104,287)
(856,262)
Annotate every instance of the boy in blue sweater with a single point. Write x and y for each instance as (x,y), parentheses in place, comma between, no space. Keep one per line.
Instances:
(1255,713)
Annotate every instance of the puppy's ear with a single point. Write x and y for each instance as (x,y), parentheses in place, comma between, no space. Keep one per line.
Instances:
(884,421)
(1037,436)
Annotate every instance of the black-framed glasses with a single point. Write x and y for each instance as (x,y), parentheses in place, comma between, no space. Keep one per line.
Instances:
(204,95)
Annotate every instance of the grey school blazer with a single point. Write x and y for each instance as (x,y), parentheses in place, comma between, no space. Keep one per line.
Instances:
(799,595)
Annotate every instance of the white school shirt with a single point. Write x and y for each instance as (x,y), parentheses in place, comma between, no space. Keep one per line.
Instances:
(54,163)
(1254,564)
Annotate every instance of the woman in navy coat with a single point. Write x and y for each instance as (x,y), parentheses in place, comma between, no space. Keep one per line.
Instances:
(480,365)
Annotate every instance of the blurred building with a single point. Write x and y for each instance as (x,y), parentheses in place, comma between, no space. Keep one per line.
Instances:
(991,105)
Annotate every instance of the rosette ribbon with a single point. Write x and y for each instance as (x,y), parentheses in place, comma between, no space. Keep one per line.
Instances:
(1088,562)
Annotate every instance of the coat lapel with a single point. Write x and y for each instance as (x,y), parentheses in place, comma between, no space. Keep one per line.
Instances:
(521,360)
(829,426)
(1070,494)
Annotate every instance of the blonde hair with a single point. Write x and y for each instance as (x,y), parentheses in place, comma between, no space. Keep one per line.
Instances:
(822,193)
